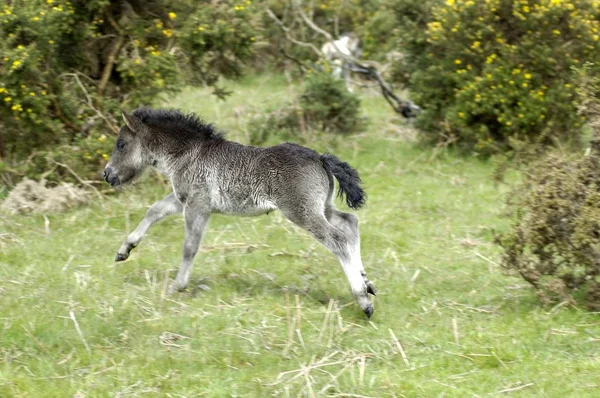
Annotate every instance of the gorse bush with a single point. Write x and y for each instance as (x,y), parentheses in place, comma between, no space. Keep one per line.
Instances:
(68,66)
(555,243)
(323,105)
(494,69)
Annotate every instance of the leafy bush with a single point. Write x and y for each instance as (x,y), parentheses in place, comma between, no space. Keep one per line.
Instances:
(494,69)
(324,105)
(555,242)
(328,106)
(68,66)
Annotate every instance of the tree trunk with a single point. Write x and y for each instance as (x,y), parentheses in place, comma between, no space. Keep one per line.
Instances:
(2,145)
(110,63)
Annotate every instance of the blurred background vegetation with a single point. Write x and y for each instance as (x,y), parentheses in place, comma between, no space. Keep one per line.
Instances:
(490,75)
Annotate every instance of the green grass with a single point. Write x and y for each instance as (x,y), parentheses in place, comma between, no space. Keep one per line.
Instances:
(257,307)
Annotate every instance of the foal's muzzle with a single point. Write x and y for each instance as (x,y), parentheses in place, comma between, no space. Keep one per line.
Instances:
(110,177)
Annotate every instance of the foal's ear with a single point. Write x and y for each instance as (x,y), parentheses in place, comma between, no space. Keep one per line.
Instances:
(131,121)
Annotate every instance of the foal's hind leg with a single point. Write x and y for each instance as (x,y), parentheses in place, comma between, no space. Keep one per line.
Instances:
(159,210)
(338,242)
(348,223)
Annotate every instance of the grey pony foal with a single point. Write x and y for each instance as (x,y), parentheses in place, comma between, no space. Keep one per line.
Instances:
(212,175)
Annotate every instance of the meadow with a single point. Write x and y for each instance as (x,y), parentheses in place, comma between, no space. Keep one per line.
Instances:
(269,312)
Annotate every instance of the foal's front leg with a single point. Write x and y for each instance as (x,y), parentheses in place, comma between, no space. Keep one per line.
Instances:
(159,210)
(196,218)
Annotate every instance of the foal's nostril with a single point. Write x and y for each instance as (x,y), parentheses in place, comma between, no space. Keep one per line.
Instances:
(106,174)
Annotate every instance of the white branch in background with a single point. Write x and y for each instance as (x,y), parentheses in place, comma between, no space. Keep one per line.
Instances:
(343,54)
(370,69)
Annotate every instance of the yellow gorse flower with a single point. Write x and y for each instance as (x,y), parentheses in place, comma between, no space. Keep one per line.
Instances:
(434,26)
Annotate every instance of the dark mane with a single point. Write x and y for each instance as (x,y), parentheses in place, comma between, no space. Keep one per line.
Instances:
(179,125)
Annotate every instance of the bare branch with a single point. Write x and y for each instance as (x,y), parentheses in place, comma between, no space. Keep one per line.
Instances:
(289,36)
(300,64)
(81,181)
(90,102)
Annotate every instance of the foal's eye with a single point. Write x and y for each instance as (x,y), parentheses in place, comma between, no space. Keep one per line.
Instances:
(120,145)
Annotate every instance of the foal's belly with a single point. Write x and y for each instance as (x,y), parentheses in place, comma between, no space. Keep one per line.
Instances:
(246,207)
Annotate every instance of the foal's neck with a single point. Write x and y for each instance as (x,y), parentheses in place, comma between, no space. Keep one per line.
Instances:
(178,157)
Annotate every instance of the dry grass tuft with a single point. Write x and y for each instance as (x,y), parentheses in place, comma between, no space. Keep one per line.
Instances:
(33,197)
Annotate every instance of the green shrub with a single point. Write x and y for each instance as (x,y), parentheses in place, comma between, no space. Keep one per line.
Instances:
(323,105)
(328,106)
(494,69)
(555,243)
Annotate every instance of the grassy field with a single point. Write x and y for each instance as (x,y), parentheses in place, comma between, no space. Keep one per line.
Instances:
(269,311)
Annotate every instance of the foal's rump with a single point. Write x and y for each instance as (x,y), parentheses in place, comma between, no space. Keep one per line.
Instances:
(298,174)
(306,177)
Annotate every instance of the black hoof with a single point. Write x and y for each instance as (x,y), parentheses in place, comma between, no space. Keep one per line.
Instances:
(121,257)
(369,311)
(371,288)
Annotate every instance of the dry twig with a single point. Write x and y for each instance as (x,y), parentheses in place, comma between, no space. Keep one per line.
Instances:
(397,342)
(79,332)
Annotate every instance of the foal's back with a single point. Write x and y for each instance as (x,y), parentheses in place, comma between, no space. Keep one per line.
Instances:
(247,180)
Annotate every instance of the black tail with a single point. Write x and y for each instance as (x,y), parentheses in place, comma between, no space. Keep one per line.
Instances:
(348,180)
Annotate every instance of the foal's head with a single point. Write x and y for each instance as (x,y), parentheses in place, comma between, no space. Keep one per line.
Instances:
(153,135)
(127,160)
